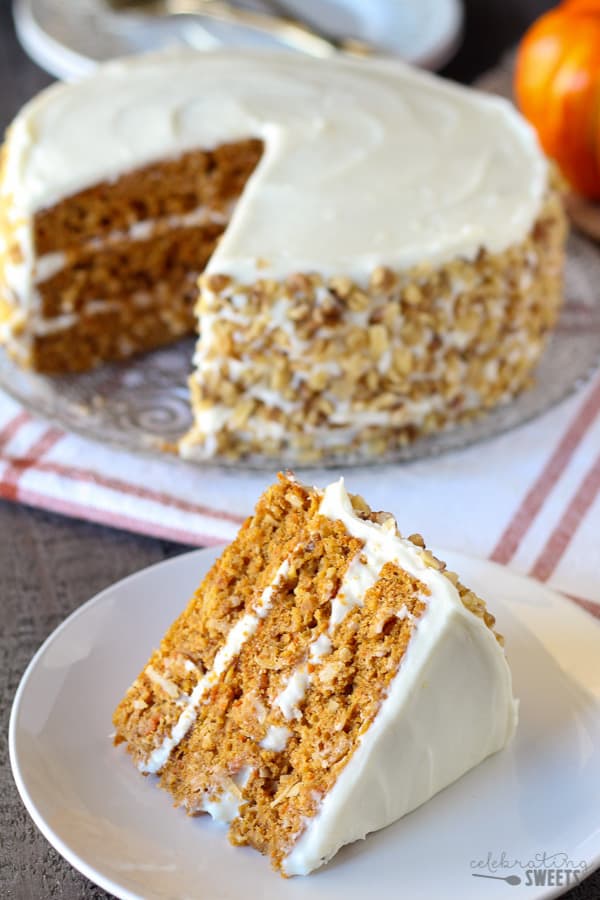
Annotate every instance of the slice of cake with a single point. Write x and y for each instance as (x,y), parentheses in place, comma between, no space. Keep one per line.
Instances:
(327,677)
(381,250)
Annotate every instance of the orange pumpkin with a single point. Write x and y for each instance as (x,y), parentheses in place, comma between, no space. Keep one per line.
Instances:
(588,5)
(557,87)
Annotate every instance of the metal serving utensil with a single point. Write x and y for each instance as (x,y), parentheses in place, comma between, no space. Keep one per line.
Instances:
(288,30)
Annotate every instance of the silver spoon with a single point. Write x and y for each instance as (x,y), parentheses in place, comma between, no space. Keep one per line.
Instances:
(288,30)
(348,44)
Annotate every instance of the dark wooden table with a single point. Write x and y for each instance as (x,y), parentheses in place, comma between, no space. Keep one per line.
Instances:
(50,565)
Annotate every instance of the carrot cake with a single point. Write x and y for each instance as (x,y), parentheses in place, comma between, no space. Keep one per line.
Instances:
(379,250)
(327,677)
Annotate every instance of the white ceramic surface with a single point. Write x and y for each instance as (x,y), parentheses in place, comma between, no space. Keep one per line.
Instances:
(540,796)
(67,37)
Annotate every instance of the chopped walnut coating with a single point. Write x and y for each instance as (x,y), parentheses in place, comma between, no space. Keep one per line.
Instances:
(311,367)
(468,598)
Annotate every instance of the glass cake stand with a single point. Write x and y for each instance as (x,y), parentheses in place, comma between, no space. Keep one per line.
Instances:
(143,405)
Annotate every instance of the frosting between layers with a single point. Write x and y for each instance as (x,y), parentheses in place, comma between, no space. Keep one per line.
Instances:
(352,172)
(226,806)
(243,629)
(23,278)
(50,264)
(276,738)
(439,718)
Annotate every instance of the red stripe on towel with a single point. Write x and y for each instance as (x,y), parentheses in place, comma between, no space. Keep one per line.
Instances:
(12,427)
(562,535)
(588,605)
(114,520)
(533,501)
(17,467)
(88,476)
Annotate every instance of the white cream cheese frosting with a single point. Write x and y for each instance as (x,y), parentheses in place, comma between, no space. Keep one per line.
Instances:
(449,706)
(366,163)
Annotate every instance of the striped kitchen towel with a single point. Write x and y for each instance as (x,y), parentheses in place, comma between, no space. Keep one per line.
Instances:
(529,499)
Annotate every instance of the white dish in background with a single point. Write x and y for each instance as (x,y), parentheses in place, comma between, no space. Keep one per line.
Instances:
(68,37)
(539,796)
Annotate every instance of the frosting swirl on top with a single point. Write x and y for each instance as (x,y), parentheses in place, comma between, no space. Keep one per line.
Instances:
(366,163)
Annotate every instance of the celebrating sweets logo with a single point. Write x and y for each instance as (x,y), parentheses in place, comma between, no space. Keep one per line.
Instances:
(552,869)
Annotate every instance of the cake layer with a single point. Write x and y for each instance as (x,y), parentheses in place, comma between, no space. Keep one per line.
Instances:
(200,178)
(118,270)
(327,677)
(123,257)
(107,330)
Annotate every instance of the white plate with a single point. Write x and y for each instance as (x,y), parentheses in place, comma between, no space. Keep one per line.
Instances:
(540,796)
(67,37)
